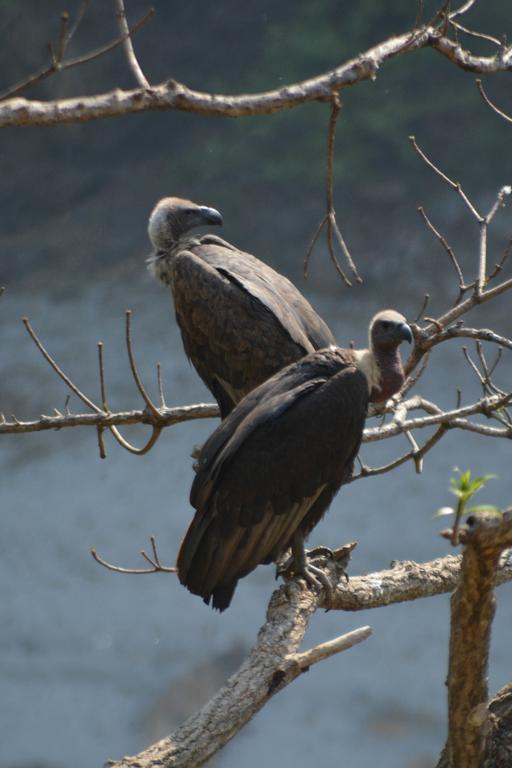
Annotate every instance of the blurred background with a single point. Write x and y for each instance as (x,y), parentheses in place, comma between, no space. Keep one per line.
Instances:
(95,664)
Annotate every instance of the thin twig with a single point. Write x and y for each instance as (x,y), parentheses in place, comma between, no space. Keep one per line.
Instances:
(329,219)
(490,104)
(452,184)
(462,286)
(128,45)
(462,9)
(78,20)
(58,370)
(323,651)
(155,434)
(156,565)
(60,66)
(472,33)
(156,428)
(151,406)
(160,386)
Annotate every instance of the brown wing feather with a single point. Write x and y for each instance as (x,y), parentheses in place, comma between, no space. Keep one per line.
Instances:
(281,476)
(239,327)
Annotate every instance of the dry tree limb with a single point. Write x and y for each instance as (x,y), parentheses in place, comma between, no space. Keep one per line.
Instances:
(471,33)
(455,185)
(483,221)
(273,663)
(59,64)
(329,219)
(462,285)
(128,45)
(103,418)
(49,359)
(167,418)
(177,96)
(154,562)
(484,537)
(275,660)
(490,104)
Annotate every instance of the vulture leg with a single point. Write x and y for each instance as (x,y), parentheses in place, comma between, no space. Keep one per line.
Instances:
(313,575)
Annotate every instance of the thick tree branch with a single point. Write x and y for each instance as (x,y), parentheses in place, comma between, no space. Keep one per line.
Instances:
(275,660)
(472,608)
(177,96)
(273,663)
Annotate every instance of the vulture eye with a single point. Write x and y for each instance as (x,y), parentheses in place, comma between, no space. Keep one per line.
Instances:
(385,324)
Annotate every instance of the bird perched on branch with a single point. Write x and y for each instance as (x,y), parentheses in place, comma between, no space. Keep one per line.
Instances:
(240,320)
(271,468)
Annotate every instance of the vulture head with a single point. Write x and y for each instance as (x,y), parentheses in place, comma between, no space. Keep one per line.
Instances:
(172,217)
(387,331)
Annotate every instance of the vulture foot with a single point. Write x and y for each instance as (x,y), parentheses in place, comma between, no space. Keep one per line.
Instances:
(301,564)
(317,579)
(336,558)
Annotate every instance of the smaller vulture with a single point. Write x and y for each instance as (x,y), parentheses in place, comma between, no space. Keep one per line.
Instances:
(272,467)
(240,320)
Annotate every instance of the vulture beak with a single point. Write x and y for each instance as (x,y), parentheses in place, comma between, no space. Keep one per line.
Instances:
(210,215)
(405,332)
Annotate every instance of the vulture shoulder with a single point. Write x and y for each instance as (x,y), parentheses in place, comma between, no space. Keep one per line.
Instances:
(278,457)
(235,329)
(271,289)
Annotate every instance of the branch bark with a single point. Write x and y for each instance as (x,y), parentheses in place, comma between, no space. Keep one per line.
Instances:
(274,662)
(177,96)
(472,612)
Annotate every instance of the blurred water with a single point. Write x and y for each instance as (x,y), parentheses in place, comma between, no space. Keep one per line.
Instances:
(90,660)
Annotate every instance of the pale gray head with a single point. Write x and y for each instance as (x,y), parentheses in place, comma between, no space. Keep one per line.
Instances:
(172,217)
(387,331)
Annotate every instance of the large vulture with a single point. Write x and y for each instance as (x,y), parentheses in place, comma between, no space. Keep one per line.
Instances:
(240,321)
(271,468)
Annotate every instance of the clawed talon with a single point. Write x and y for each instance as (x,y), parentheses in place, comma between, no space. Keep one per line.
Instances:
(315,577)
(310,565)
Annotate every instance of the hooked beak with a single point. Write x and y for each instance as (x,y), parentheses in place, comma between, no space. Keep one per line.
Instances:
(405,332)
(210,215)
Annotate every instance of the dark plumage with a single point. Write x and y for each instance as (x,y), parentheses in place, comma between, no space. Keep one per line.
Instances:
(240,320)
(270,470)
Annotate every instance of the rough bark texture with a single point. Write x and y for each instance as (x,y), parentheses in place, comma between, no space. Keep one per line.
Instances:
(275,662)
(472,734)
(266,670)
(174,95)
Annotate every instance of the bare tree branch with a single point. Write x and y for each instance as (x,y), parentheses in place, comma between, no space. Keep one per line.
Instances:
(154,562)
(177,96)
(167,417)
(128,45)
(490,104)
(472,607)
(58,64)
(329,219)
(275,659)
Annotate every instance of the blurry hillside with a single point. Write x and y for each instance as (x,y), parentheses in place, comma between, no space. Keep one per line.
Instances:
(92,185)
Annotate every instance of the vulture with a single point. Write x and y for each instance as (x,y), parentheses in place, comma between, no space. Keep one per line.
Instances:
(270,470)
(240,320)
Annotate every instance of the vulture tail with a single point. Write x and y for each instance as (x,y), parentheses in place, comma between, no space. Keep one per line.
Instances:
(222,596)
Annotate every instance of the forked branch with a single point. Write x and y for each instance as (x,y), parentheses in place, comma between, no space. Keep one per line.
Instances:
(329,220)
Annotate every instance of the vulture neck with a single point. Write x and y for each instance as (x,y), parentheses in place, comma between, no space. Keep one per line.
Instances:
(383,369)
(161,262)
